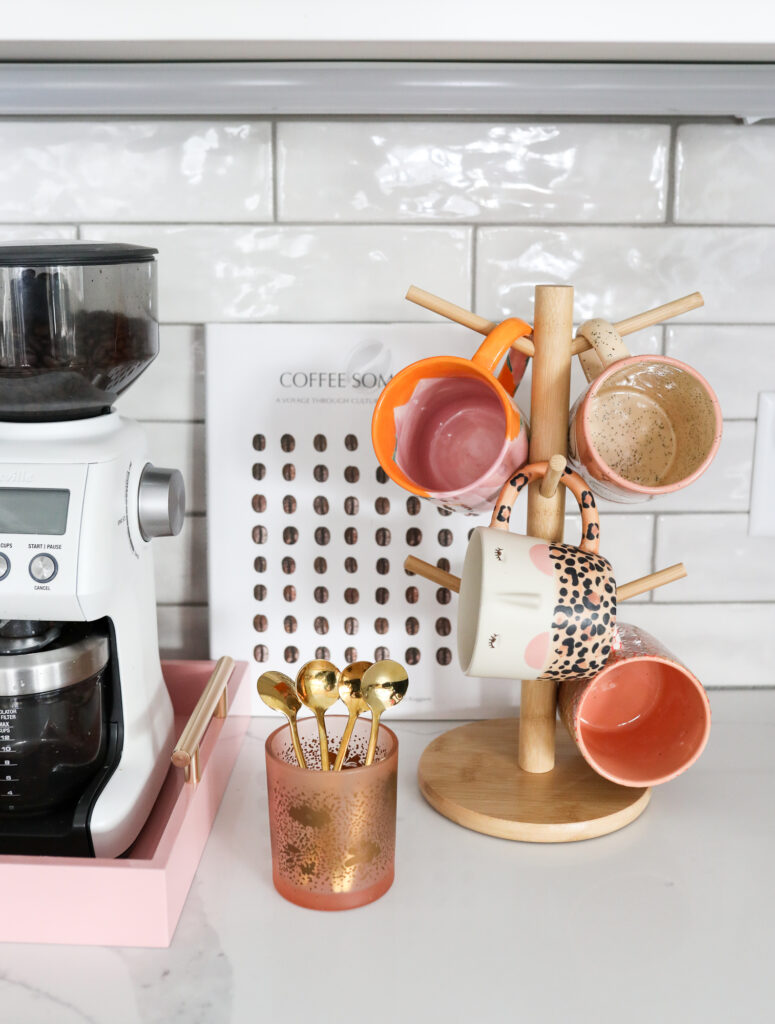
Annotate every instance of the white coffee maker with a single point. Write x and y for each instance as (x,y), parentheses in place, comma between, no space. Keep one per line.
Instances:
(86,723)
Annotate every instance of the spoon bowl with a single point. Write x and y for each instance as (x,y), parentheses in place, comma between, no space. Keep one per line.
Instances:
(278,692)
(317,686)
(350,693)
(383,686)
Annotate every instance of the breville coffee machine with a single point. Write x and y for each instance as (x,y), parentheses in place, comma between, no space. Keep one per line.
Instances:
(86,723)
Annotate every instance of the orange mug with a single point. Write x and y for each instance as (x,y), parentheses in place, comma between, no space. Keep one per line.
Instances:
(446,429)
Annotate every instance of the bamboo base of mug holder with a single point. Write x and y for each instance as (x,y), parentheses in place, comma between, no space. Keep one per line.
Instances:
(471,775)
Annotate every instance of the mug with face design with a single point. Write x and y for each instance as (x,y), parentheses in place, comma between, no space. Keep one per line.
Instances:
(646,425)
(531,609)
(643,719)
(447,429)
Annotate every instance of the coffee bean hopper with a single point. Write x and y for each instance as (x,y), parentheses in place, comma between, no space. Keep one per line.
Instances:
(86,723)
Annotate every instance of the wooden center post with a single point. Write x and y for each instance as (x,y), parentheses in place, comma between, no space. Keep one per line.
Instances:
(549,401)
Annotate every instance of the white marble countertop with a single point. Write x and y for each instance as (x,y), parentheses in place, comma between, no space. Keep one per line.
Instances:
(671,919)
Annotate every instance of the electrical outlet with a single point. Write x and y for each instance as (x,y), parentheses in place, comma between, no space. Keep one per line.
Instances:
(761,522)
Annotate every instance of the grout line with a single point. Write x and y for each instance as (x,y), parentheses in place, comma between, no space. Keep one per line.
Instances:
(275,200)
(473,266)
(671,177)
(539,224)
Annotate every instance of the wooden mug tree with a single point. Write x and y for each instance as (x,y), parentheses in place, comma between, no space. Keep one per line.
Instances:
(524,778)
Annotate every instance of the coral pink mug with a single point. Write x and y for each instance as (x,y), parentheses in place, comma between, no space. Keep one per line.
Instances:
(643,719)
(446,429)
(646,425)
(531,609)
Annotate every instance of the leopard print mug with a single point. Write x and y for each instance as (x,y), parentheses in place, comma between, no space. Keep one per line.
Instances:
(530,609)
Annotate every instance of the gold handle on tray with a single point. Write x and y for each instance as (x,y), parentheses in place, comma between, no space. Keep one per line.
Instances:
(212,703)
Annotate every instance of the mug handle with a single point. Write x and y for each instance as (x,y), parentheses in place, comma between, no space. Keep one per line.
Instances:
(607,347)
(590,522)
(496,345)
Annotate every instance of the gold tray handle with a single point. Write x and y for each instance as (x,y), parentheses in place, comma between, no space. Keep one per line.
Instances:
(212,703)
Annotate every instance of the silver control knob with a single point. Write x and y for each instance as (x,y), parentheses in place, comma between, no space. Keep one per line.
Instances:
(5,566)
(43,568)
(161,502)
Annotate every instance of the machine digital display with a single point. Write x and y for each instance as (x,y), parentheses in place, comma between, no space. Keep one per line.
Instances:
(33,510)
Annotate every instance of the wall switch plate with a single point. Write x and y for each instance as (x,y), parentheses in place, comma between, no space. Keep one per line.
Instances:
(761,522)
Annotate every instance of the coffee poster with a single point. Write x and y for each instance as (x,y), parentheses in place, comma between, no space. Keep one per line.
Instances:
(306,533)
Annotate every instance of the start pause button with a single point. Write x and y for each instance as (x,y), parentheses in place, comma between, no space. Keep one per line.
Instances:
(43,568)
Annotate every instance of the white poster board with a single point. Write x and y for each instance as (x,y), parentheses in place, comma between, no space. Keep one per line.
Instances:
(306,535)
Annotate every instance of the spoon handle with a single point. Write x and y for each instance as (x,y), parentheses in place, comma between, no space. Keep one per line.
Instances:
(296,742)
(372,749)
(345,742)
(325,763)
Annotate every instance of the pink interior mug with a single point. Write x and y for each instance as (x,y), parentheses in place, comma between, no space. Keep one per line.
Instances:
(646,425)
(446,428)
(643,718)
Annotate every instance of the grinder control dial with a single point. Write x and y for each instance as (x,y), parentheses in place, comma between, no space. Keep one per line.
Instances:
(161,502)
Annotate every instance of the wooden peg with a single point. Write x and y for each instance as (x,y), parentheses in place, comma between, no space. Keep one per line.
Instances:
(553,475)
(647,319)
(623,593)
(432,573)
(462,316)
(478,323)
(651,582)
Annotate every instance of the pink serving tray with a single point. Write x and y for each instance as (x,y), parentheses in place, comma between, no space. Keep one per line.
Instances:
(137,899)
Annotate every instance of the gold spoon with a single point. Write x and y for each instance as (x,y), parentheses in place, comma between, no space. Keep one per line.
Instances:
(278,692)
(350,693)
(316,684)
(383,686)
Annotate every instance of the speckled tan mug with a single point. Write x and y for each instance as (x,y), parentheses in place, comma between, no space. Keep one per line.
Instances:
(646,425)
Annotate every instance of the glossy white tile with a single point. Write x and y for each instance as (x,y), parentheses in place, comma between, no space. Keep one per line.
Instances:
(172,388)
(619,271)
(36,232)
(627,542)
(183,631)
(214,273)
(723,562)
(724,174)
(164,170)
(723,644)
(737,361)
(446,171)
(180,564)
(181,446)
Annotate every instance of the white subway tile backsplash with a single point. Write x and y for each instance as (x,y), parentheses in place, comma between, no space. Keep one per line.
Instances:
(443,171)
(724,174)
(366,208)
(173,387)
(620,271)
(723,562)
(215,273)
(737,361)
(180,564)
(181,446)
(154,170)
(723,644)
(183,631)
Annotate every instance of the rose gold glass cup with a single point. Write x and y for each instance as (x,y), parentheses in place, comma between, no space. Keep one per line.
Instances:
(333,833)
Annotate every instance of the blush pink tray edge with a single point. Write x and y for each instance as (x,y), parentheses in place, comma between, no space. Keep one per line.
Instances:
(137,899)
